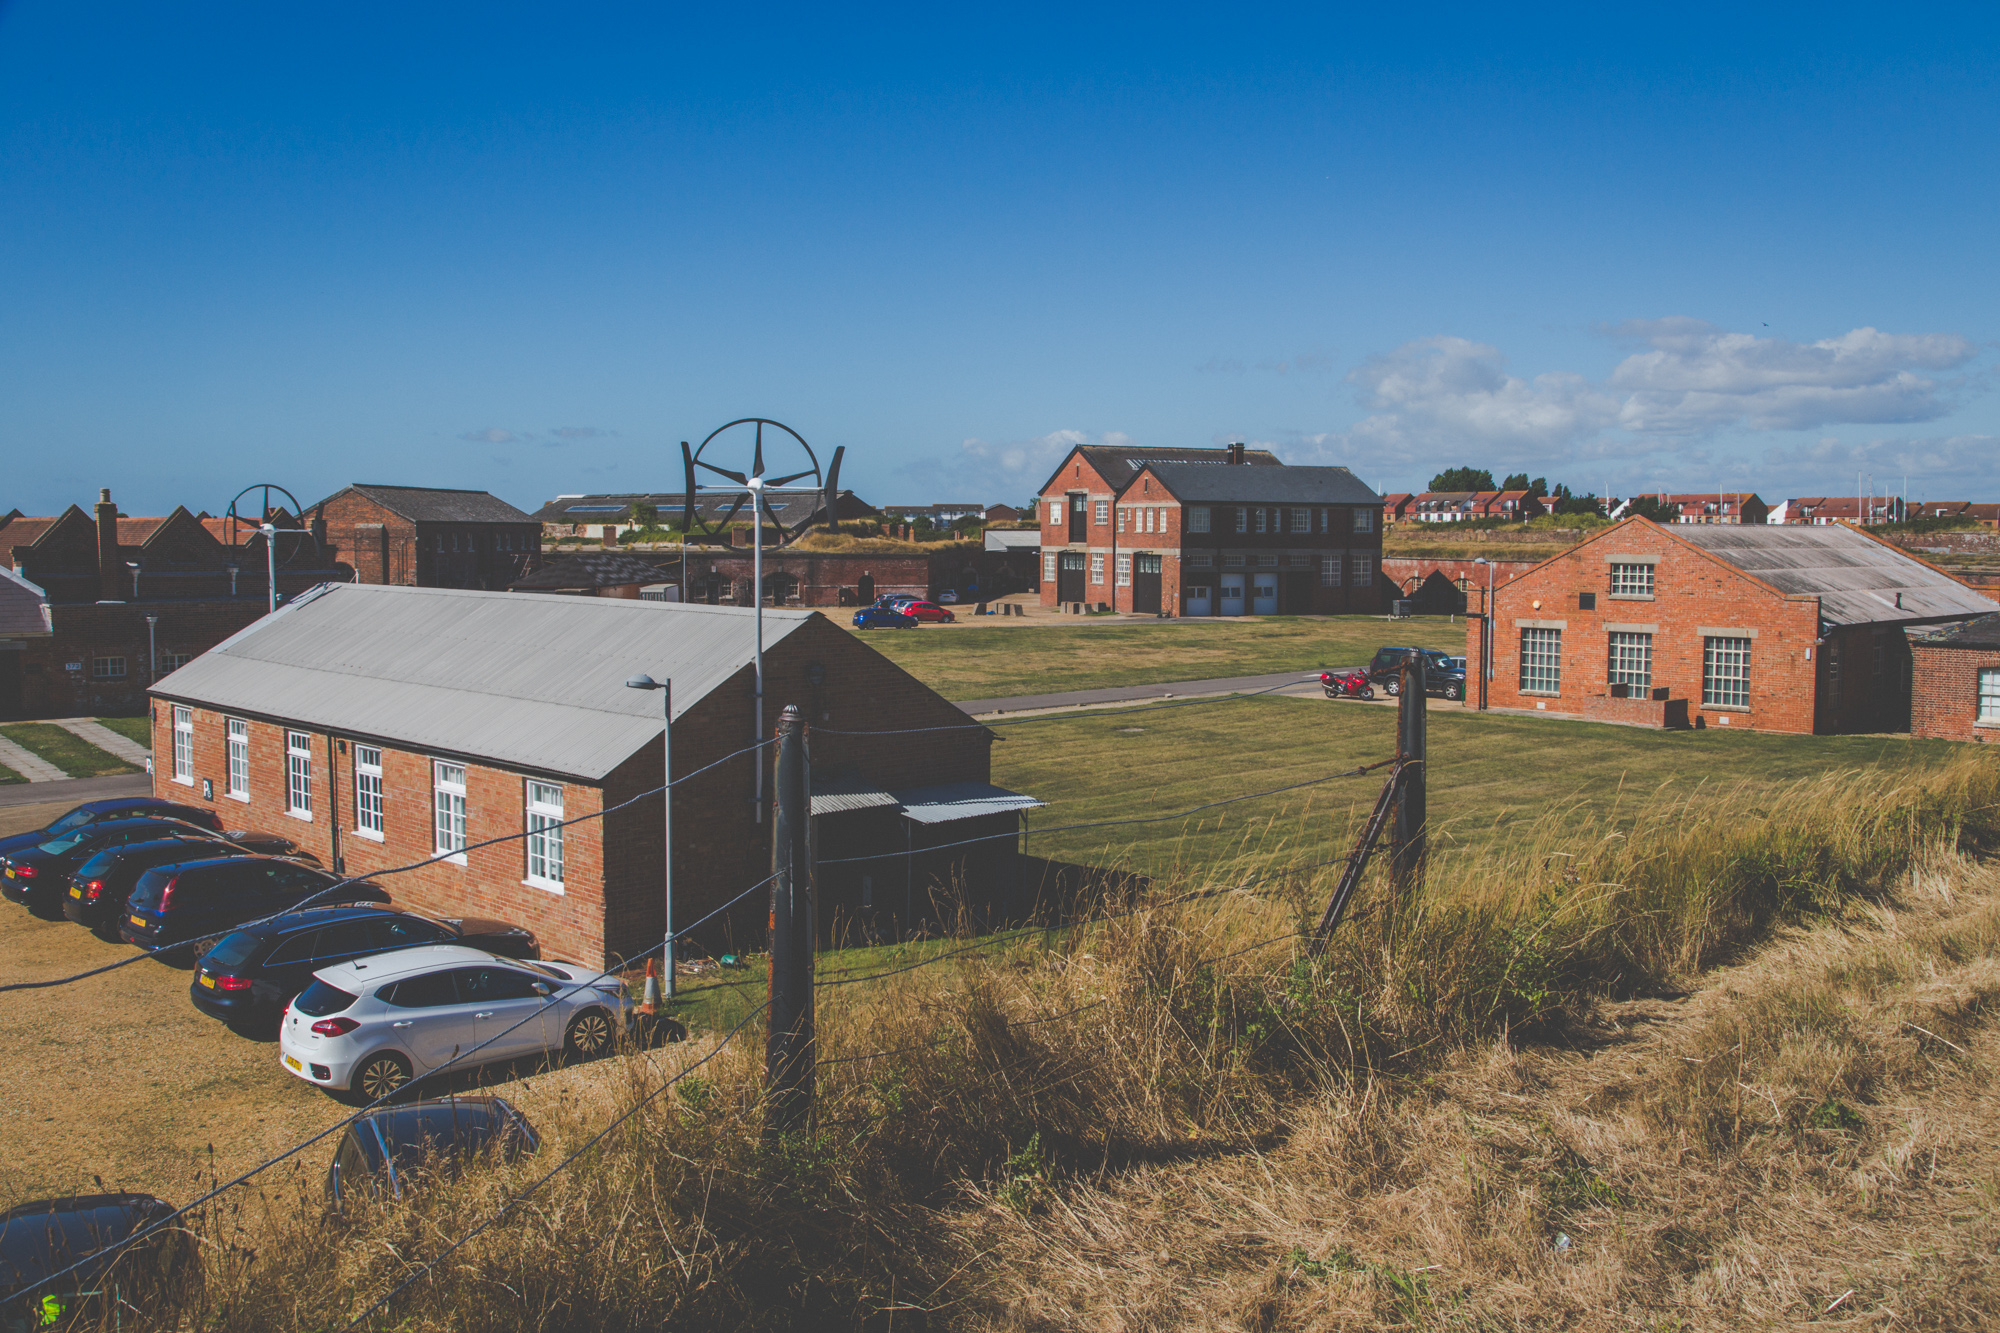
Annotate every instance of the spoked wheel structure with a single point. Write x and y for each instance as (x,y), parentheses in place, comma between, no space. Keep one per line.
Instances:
(785,441)
(381,1075)
(589,1035)
(241,527)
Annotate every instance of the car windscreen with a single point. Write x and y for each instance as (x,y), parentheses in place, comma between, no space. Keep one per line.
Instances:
(415,1132)
(319,999)
(74,819)
(35,1244)
(234,950)
(57,846)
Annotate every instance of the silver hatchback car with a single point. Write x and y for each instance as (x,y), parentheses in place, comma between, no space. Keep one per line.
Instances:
(369,1026)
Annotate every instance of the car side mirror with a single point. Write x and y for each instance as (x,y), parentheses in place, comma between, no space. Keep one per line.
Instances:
(544,988)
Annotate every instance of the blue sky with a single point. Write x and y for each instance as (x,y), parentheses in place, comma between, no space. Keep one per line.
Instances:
(529,249)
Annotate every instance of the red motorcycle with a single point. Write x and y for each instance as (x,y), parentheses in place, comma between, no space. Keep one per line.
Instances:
(1346,685)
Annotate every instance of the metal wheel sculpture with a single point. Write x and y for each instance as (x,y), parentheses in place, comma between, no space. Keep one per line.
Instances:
(755,483)
(239,525)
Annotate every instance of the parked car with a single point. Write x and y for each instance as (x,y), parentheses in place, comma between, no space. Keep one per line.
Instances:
(113,807)
(249,976)
(369,1026)
(388,1149)
(39,1240)
(98,888)
(174,904)
(883,617)
(38,877)
(949,597)
(1440,676)
(928,611)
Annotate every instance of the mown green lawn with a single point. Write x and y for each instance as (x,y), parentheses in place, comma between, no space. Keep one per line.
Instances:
(999,661)
(138,729)
(72,754)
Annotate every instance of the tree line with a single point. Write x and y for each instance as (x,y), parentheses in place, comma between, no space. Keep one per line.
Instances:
(1560,500)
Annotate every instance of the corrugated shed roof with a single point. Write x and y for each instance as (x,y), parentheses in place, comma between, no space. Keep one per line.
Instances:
(840,795)
(1013,539)
(1118,466)
(1264,485)
(521,679)
(426,504)
(1983,633)
(591,569)
(1858,580)
(962,800)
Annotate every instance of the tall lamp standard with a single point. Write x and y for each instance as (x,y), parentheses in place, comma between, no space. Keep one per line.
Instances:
(666,689)
(270,532)
(1486,636)
(152,650)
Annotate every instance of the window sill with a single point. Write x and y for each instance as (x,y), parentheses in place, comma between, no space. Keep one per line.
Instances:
(453,858)
(242,796)
(1629,596)
(185,782)
(369,834)
(546,885)
(303,816)
(1725,708)
(1542,694)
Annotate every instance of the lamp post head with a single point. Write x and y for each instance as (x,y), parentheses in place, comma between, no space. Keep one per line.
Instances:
(643,682)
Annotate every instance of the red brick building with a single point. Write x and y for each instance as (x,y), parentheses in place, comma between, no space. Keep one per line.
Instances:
(1730,507)
(423,537)
(1956,696)
(1774,628)
(1203,532)
(383,726)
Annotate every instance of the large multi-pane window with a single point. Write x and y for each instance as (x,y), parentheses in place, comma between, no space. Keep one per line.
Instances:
(238,736)
(448,801)
(1364,571)
(1631,580)
(1302,520)
(1242,520)
(183,744)
(1541,661)
(545,835)
(1632,659)
(107,668)
(368,791)
(1329,571)
(1198,518)
(1103,514)
(1056,512)
(1049,566)
(1989,695)
(298,774)
(1364,520)
(1097,569)
(1725,672)
(1124,571)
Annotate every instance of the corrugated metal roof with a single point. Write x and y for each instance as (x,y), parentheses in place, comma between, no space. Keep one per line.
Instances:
(1013,539)
(1982,633)
(1264,485)
(519,678)
(23,607)
(962,800)
(590,569)
(839,795)
(1119,465)
(1858,580)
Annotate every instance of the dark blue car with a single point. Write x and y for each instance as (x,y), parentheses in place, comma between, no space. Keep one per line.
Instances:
(882,617)
(113,807)
(37,877)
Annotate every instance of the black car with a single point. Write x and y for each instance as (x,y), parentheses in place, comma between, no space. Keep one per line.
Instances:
(38,876)
(99,887)
(114,807)
(39,1240)
(174,904)
(1443,676)
(388,1149)
(252,974)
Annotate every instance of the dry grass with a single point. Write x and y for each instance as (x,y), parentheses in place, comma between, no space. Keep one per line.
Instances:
(1172,1119)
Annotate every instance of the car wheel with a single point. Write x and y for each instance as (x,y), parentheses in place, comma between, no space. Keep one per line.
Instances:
(589,1035)
(1454,691)
(950,619)
(1392,687)
(382,1074)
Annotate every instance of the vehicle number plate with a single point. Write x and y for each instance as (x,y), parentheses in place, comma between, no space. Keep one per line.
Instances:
(206,980)
(10,872)
(293,1063)
(76,893)
(138,920)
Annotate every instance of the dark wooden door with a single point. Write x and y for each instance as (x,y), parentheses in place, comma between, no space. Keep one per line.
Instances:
(1146,583)
(1077,529)
(864,589)
(1069,576)
(1298,594)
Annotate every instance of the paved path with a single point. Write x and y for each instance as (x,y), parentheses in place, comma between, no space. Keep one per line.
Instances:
(104,738)
(1178,689)
(28,764)
(75,791)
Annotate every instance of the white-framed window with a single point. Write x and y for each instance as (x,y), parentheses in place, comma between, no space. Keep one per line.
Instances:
(1267,560)
(299,774)
(1097,569)
(1364,571)
(368,792)
(1632,659)
(237,735)
(184,744)
(1232,560)
(1541,661)
(1198,518)
(1262,520)
(1201,560)
(107,668)
(1124,571)
(1049,565)
(448,805)
(174,661)
(545,835)
(1364,520)
(1299,560)
(1302,520)
(1055,512)
(1329,571)
(1242,519)
(1631,580)
(1122,511)
(1102,512)
(1725,672)
(1989,695)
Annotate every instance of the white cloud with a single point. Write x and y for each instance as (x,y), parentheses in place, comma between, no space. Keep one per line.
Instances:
(1013,470)
(491,435)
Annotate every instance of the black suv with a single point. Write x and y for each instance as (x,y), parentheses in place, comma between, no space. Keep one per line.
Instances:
(385,1150)
(37,877)
(113,807)
(251,975)
(173,904)
(1443,676)
(99,887)
(91,1233)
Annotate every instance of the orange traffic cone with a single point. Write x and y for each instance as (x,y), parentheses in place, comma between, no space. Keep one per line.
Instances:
(649,1003)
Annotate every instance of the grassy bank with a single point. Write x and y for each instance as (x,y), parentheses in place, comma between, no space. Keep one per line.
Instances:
(980,1119)
(76,757)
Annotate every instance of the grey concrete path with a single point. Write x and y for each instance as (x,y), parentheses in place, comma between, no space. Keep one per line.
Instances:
(104,738)
(1178,689)
(75,791)
(29,764)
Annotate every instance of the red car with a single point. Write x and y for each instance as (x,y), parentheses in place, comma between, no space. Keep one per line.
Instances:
(927,611)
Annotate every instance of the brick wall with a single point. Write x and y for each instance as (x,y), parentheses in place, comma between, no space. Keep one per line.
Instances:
(383,544)
(1944,702)
(1692,592)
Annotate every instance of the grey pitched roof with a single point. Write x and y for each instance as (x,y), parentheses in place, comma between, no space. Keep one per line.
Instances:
(590,569)
(520,679)
(1119,465)
(425,504)
(1013,539)
(951,801)
(1196,483)
(1857,579)
(1983,633)
(791,504)
(21,606)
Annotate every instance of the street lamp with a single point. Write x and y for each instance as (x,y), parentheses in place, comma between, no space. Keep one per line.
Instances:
(1486,636)
(270,532)
(152,651)
(666,689)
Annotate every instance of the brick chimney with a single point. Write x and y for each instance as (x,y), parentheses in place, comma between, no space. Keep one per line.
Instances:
(110,564)
(1236,451)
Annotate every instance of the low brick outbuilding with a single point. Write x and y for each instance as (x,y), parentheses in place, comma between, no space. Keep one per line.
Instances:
(1956,691)
(381,726)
